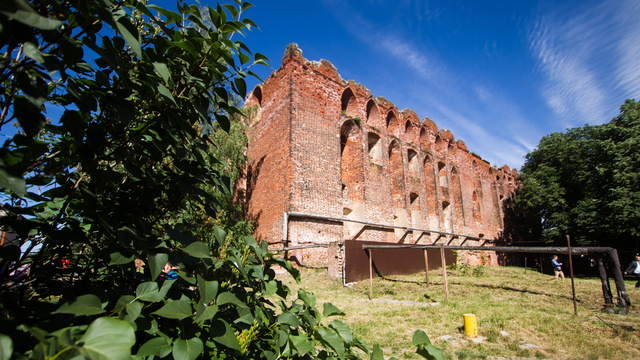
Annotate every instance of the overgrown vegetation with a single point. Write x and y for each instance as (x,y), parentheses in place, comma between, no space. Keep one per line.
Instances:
(585,183)
(97,194)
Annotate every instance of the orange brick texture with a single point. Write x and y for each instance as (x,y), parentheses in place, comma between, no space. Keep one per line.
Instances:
(325,146)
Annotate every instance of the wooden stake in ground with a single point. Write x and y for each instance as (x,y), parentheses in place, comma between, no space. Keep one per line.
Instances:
(444,273)
(573,287)
(370,275)
(426,265)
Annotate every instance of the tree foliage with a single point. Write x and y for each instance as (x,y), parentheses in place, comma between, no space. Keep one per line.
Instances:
(586,183)
(99,187)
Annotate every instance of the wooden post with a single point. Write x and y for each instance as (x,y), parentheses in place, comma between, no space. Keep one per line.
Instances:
(444,273)
(370,275)
(525,264)
(573,287)
(426,265)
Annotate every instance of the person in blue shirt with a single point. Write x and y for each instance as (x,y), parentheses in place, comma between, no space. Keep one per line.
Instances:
(557,267)
(634,268)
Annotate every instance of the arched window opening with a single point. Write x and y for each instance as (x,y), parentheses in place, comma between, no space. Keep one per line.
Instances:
(424,139)
(393,125)
(457,198)
(397,176)
(439,144)
(442,174)
(373,114)
(477,215)
(352,175)
(408,131)
(430,183)
(412,158)
(445,204)
(349,103)
(256,96)
(398,200)
(375,149)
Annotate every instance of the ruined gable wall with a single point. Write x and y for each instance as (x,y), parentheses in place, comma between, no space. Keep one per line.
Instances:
(348,154)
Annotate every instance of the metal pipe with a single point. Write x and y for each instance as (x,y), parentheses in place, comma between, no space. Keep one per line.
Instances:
(573,286)
(303,247)
(516,249)
(384,226)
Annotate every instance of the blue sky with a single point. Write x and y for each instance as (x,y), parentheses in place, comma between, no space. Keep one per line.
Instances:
(499,74)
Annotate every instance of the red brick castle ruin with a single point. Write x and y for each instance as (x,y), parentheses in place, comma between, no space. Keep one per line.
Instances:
(321,145)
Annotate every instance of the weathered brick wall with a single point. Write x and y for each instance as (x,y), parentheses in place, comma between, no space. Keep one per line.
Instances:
(325,146)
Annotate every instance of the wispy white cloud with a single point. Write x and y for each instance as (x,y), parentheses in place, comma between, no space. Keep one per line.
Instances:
(591,60)
(444,95)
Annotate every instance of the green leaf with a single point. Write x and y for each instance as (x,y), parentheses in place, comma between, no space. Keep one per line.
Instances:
(130,34)
(329,310)
(108,339)
(302,344)
(10,181)
(82,305)
(128,308)
(32,51)
(288,319)
(186,45)
(343,330)
(229,298)
(420,338)
(163,71)
(180,237)
(178,309)
(118,259)
(166,94)
(361,344)
(241,86)
(6,347)
(156,263)
(187,349)
(377,354)
(29,116)
(155,347)
(205,312)
(199,250)
(307,297)
(208,289)
(222,333)
(33,19)
(149,291)
(331,338)
(220,235)
(430,352)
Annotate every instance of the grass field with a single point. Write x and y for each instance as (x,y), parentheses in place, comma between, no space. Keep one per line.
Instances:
(535,312)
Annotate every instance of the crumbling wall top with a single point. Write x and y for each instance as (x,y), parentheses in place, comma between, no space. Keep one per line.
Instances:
(429,124)
(462,145)
(447,135)
(292,52)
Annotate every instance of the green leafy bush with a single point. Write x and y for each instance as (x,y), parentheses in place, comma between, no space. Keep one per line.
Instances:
(95,195)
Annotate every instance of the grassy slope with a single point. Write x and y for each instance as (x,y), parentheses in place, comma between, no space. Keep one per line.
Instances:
(527,306)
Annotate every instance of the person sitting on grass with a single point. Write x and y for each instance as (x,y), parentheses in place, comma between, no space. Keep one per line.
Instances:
(634,268)
(557,268)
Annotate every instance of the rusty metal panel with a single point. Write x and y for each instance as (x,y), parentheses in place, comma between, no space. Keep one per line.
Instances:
(388,261)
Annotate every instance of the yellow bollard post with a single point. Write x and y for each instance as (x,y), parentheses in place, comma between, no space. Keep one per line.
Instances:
(470,325)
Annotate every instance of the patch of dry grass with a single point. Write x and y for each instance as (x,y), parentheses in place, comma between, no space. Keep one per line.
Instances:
(530,308)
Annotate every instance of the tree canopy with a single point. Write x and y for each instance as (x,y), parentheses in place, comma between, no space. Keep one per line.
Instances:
(585,183)
(110,98)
